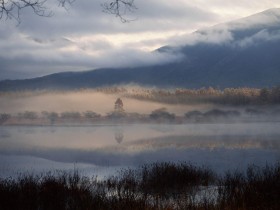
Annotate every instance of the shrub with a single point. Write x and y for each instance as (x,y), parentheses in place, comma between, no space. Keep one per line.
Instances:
(4,117)
(162,114)
(70,115)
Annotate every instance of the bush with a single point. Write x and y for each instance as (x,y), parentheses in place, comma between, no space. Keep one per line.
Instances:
(28,115)
(52,116)
(162,114)
(70,115)
(91,115)
(4,117)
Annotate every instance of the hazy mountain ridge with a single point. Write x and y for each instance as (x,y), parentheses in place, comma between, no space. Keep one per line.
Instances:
(239,53)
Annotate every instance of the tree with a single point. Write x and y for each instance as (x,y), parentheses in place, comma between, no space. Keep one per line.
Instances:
(91,115)
(119,106)
(28,115)
(4,117)
(70,115)
(52,116)
(264,95)
(162,114)
(118,112)
(11,9)
(275,94)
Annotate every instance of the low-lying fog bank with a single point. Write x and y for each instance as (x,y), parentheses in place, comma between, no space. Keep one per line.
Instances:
(98,106)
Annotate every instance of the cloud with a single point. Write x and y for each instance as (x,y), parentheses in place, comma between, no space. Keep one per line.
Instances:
(211,36)
(83,37)
(263,35)
(239,33)
(66,54)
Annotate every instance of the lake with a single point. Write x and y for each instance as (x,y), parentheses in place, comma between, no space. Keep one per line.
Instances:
(101,150)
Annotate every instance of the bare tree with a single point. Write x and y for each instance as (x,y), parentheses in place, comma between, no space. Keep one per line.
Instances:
(11,9)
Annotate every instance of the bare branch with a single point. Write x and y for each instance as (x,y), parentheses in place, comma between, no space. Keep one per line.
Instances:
(120,8)
(65,3)
(10,9)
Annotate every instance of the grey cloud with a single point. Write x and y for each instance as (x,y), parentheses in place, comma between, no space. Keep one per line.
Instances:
(225,37)
(96,45)
(206,36)
(225,33)
(57,42)
(37,57)
(168,9)
(263,35)
(45,45)
(87,17)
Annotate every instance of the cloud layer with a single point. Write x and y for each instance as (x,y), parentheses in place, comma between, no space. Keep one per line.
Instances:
(83,37)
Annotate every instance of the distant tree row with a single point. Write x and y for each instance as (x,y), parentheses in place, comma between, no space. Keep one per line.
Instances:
(270,95)
(231,96)
(161,115)
(212,115)
(53,116)
(158,115)
(234,96)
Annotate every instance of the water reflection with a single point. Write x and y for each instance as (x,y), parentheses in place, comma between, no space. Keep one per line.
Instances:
(4,133)
(221,147)
(119,137)
(119,134)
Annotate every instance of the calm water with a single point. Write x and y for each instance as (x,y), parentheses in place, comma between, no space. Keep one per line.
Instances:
(101,150)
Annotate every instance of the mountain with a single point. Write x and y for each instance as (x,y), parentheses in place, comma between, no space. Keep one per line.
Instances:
(244,52)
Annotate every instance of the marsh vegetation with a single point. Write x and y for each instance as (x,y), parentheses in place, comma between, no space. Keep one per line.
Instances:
(151,186)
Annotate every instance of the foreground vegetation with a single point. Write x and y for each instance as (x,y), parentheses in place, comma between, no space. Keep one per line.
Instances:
(153,186)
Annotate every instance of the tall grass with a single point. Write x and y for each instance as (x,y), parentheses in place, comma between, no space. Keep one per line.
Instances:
(259,188)
(151,186)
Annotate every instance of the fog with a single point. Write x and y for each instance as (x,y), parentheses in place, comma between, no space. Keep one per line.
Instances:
(82,101)
(102,149)
(217,136)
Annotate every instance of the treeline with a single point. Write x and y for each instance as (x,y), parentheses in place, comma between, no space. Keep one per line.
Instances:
(31,117)
(227,96)
(48,117)
(234,96)
(161,115)
(165,186)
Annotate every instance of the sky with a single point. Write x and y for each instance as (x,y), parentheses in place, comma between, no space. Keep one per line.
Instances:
(83,37)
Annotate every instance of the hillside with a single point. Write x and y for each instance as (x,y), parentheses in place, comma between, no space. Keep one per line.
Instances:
(244,52)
